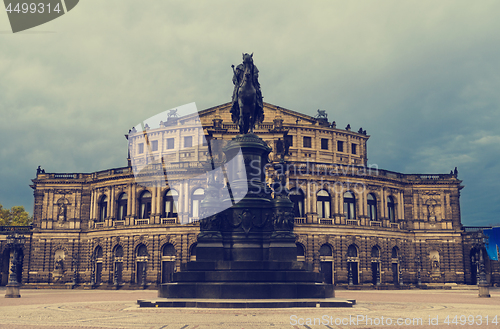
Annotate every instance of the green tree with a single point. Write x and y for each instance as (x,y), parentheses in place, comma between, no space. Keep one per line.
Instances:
(15,216)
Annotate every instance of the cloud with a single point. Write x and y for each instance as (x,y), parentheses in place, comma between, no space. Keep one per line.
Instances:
(421,77)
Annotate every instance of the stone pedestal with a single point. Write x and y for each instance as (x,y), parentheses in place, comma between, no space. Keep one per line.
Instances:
(247,250)
(12,290)
(484,291)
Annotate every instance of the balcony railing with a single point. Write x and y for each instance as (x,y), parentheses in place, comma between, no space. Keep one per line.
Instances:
(325,221)
(119,223)
(142,221)
(394,225)
(353,222)
(169,221)
(300,220)
(99,224)
(21,229)
(375,223)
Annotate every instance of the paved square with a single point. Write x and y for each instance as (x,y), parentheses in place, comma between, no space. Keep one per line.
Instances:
(374,309)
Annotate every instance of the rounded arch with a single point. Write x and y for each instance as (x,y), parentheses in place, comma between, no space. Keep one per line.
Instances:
(326,250)
(121,206)
(297,196)
(375,264)
(326,263)
(145,198)
(117,255)
(62,208)
(353,264)
(168,250)
(118,251)
(98,252)
(323,204)
(371,200)
(168,260)
(59,257)
(97,264)
(391,209)
(301,252)
(196,197)
(141,257)
(192,252)
(170,199)
(395,252)
(375,252)
(103,208)
(169,239)
(352,251)
(141,250)
(349,205)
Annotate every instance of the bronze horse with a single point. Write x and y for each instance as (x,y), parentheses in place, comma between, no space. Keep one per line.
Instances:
(246,110)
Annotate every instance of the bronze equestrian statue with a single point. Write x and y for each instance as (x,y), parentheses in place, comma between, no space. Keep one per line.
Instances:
(247,107)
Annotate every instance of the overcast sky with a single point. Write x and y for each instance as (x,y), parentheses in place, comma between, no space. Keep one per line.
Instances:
(422,77)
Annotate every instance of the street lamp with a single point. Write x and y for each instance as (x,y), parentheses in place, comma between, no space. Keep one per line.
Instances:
(484,289)
(15,243)
(482,283)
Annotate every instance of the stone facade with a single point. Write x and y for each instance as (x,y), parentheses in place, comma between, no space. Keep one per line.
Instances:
(354,222)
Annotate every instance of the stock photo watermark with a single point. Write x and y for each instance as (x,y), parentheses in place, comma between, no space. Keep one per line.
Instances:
(24,15)
(365,320)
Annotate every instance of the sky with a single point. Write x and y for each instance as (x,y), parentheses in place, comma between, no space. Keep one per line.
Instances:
(422,77)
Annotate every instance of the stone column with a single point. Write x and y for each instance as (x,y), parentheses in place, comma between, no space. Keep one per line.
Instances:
(133,202)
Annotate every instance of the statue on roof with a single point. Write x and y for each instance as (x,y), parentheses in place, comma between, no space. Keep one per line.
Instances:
(322,115)
(247,107)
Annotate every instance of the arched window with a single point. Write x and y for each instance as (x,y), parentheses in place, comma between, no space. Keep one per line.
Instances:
(118,252)
(352,251)
(192,252)
(118,264)
(297,197)
(396,266)
(323,204)
(375,265)
(103,208)
(372,206)
(326,263)
(301,253)
(121,209)
(168,250)
(391,209)
(349,205)
(198,195)
(325,250)
(395,253)
(168,263)
(145,205)
(98,260)
(352,265)
(141,264)
(170,204)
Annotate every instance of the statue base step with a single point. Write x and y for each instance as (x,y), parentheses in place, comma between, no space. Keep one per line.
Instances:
(246,280)
(247,303)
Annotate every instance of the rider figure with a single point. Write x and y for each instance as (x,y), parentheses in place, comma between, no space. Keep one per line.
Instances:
(237,78)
